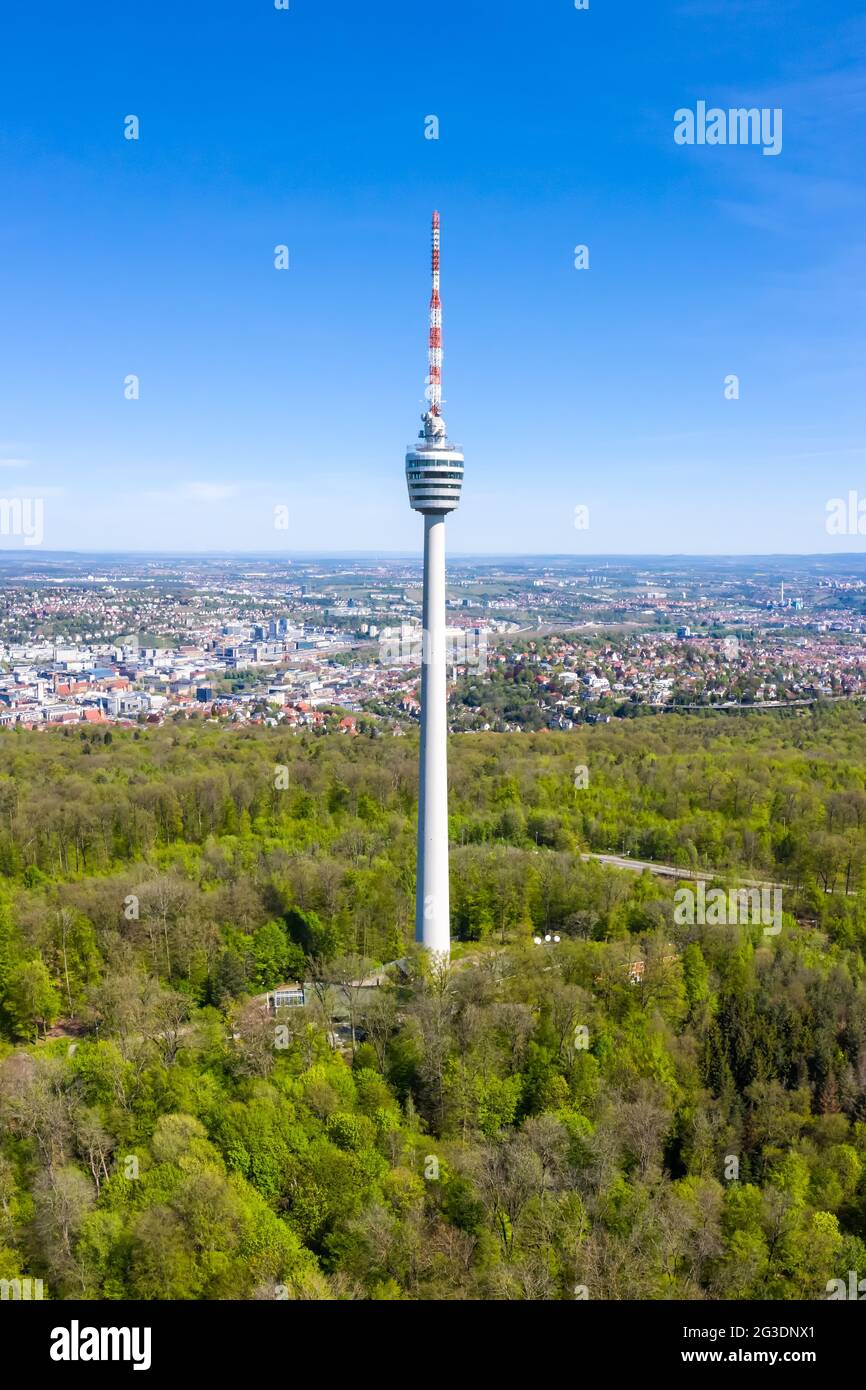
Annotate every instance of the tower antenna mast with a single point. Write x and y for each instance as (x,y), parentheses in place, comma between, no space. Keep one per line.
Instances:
(434,350)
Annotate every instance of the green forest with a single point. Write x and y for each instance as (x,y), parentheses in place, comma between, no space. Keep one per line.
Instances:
(641,1109)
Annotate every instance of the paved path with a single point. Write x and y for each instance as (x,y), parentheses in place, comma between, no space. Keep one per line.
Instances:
(623,861)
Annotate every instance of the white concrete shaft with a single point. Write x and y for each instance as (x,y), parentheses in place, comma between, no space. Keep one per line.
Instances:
(432,909)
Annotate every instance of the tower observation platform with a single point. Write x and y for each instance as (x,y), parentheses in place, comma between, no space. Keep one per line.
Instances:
(434,470)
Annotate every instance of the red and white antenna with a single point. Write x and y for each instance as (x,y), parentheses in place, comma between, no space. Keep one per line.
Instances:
(434,351)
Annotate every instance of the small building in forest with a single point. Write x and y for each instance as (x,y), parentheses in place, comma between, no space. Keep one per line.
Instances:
(288,996)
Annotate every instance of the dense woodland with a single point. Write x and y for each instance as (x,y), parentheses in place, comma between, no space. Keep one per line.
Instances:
(535,1123)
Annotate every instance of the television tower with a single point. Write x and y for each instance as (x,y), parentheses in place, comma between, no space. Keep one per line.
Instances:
(434,474)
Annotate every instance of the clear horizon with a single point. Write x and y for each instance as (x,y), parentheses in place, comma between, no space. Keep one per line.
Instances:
(836,557)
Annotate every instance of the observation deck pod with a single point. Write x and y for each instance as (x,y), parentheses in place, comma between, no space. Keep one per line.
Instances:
(434,476)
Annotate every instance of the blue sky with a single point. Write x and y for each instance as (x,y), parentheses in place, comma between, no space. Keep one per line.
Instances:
(262,388)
